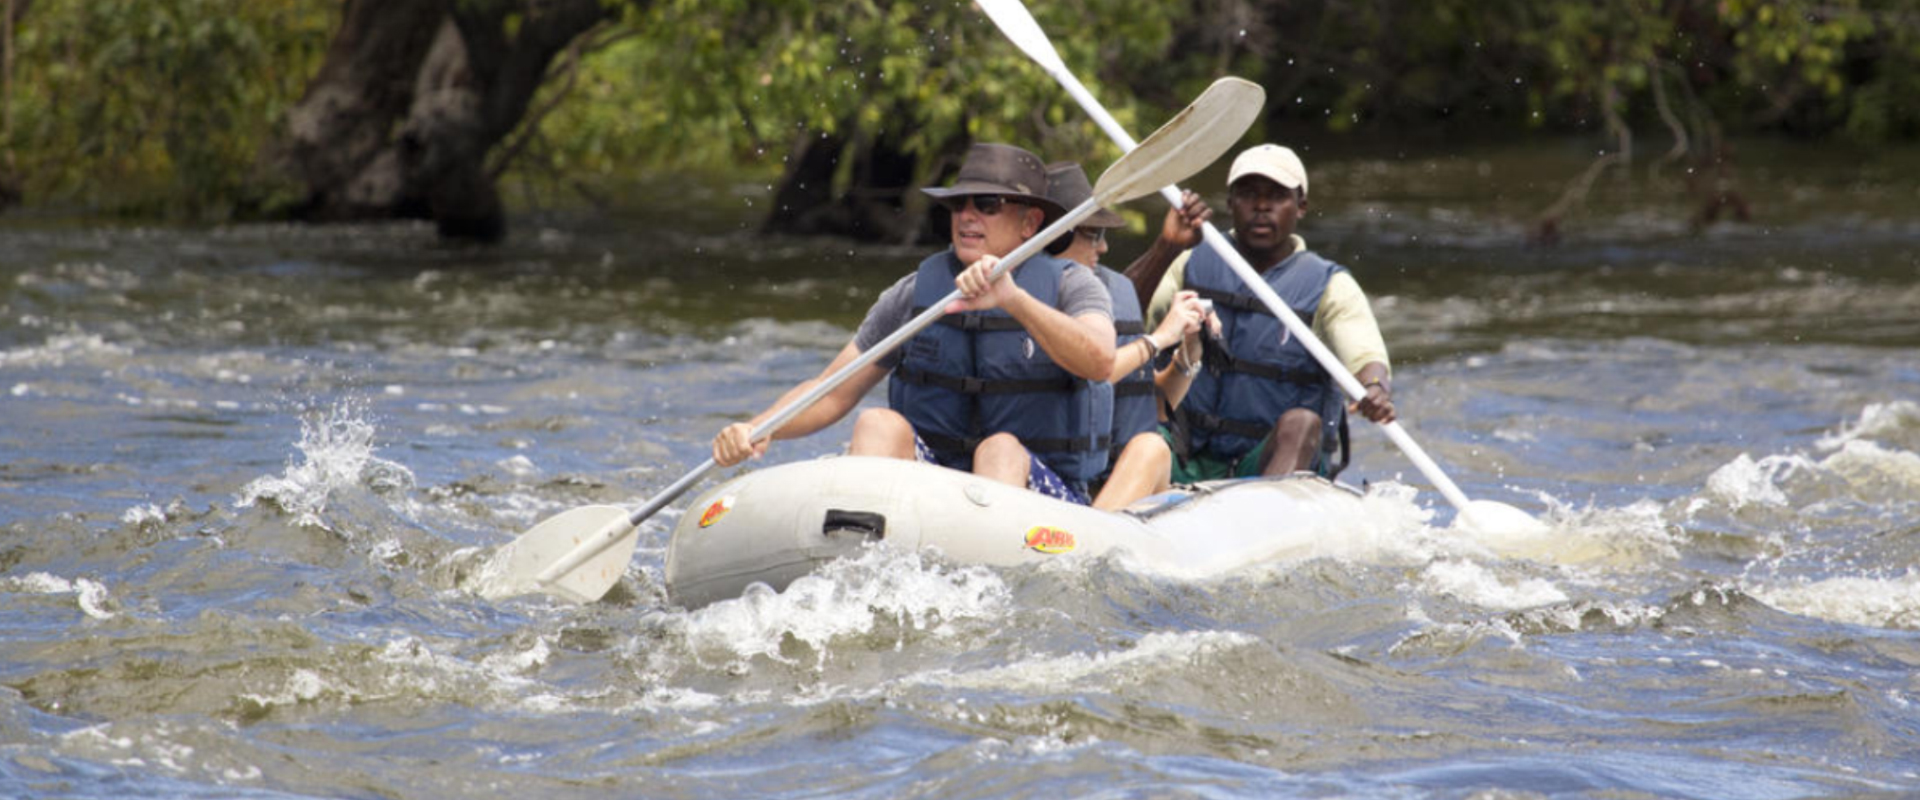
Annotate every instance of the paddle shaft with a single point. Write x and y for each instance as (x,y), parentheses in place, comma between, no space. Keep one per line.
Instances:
(1348,383)
(614,531)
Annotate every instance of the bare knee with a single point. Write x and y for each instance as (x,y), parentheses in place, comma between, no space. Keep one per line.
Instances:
(1298,422)
(881,432)
(1149,451)
(1003,458)
(1000,447)
(1296,441)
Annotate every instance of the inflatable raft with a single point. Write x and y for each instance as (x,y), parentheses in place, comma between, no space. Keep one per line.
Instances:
(777,524)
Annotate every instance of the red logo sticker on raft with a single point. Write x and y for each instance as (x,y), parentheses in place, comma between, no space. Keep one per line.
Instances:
(1049,540)
(714,512)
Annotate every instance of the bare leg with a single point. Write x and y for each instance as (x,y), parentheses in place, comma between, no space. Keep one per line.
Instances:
(1144,467)
(1002,458)
(1296,440)
(881,432)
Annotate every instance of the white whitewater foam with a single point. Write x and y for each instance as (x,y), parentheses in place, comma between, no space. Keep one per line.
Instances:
(1159,650)
(338,447)
(849,597)
(1874,602)
(1895,420)
(1877,470)
(141,515)
(91,596)
(61,348)
(1744,481)
(1626,536)
(1469,582)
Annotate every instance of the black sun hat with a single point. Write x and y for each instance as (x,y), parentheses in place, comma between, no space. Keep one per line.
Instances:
(1002,169)
(1067,185)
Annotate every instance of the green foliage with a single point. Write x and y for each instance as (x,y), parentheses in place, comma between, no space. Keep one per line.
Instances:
(706,83)
(152,104)
(156,105)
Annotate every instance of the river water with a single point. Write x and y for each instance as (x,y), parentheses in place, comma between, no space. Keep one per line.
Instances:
(247,474)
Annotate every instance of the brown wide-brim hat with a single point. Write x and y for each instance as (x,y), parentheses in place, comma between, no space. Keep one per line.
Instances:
(1002,169)
(1067,185)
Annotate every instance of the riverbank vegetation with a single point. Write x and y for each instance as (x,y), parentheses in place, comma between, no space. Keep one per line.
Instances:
(365,109)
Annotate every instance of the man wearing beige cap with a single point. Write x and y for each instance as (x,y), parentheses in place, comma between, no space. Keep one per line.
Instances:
(1263,405)
(1006,384)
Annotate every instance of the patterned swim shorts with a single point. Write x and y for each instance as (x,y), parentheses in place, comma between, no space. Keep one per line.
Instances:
(1040,477)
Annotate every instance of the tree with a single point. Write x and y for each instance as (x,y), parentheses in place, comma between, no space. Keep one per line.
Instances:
(412,98)
(360,109)
(10,15)
(853,104)
(152,107)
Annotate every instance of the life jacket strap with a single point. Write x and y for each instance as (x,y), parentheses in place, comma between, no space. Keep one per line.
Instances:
(975,322)
(1220,361)
(980,386)
(953,444)
(1209,422)
(1235,301)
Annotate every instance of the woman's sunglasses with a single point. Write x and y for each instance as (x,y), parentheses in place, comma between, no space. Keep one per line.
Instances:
(987,204)
(1094,235)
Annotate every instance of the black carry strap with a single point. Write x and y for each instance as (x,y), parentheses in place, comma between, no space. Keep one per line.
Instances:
(1346,455)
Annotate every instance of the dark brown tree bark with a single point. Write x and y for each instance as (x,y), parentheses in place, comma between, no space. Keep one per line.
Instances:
(877,200)
(14,10)
(412,97)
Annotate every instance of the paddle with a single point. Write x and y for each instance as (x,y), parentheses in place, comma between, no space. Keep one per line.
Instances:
(1488,516)
(582,553)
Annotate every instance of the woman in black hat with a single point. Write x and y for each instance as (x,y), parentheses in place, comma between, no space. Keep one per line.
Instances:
(1147,371)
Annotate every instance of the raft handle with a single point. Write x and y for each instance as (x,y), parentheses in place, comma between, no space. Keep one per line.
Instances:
(865,523)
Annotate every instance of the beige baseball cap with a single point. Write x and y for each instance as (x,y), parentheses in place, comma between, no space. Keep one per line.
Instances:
(1271,161)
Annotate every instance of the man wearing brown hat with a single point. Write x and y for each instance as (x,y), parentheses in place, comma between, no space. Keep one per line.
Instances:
(1005,385)
(1141,460)
(1264,405)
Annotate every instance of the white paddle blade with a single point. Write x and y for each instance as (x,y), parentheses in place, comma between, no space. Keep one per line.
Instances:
(515,569)
(1498,524)
(1011,17)
(1188,143)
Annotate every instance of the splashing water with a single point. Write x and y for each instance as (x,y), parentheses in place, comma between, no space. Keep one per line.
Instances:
(338,450)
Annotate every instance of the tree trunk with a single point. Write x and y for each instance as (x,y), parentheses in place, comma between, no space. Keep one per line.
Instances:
(879,201)
(10,14)
(411,98)
(804,202)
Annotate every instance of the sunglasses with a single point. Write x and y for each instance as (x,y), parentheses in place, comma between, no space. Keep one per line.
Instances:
(987,204)
(1094,235)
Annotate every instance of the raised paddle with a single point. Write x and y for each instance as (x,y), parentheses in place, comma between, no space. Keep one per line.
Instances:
(1484,515)
(582,553)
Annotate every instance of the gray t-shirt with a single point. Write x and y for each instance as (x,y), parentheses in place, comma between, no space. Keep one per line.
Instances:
(1081,293)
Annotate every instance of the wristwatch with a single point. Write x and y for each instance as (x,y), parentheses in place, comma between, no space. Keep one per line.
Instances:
(1162,356)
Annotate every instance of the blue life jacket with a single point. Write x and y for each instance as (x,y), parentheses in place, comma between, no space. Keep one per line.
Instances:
(978,373)
(1133,403)
(1264,371)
